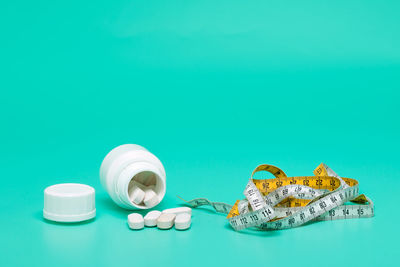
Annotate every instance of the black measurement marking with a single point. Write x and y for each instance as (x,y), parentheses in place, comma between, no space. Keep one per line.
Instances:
(312,211)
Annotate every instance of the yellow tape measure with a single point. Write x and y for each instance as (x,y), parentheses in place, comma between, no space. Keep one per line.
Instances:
(286,202)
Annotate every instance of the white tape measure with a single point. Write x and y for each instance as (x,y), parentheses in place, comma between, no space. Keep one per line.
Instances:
(286,202)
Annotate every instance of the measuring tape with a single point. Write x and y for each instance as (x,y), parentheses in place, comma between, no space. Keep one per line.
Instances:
(286,202)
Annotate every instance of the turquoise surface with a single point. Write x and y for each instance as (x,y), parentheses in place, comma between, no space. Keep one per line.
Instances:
(213,88)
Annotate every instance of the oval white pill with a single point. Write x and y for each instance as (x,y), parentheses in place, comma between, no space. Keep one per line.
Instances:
(135,221)
(150,198)
(136,195)
(151,218)
(166,220)
(179,210)
(182,221)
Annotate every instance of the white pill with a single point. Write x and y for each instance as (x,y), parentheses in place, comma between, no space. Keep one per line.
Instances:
(182,221)
(179,210)
(136,195)
(150,198)
(166,220)
(135,221)
(151,218)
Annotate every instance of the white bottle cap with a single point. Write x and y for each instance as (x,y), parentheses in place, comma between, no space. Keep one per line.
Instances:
(69,203)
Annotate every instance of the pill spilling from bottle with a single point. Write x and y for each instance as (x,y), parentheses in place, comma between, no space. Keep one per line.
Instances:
(150,219)
(180,217)
(182,221)
(135,221)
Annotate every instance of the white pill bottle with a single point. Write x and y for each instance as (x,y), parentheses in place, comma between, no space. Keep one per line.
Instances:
(128,165)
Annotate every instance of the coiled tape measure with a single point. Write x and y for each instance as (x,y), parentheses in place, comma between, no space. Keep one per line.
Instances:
(286,202)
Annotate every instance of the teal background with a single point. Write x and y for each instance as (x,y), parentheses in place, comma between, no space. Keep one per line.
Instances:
(213,88)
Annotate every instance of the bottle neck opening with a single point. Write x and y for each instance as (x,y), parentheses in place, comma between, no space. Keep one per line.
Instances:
(144,175)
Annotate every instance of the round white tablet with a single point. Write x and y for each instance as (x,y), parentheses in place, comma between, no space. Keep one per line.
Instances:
(166,220)
(182,221)
(150,198)
(136,195)
(151,218)
(135,221)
